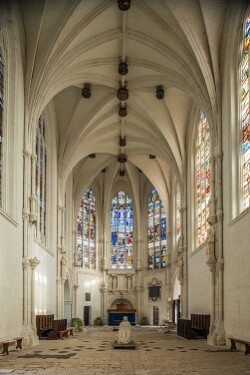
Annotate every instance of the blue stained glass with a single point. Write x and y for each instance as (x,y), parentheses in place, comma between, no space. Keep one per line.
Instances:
(121,221)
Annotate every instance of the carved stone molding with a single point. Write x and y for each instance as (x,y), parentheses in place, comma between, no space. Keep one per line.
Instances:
(34,262)
(25,263)
(26,154)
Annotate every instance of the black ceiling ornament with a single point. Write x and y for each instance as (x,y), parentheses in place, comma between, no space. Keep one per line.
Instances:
(122,110)
(151,156)
(122,141)
(86,90)
(92,156)
(124,5)
(123,68)
(122,158)
(103,170)
(122,173)
(122,93)
(159,92)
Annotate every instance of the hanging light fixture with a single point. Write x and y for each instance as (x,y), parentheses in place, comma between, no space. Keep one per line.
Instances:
(122,141)
(122,110)
(159,92)
(123,5)
(122,93)
(86,91)
(123,68)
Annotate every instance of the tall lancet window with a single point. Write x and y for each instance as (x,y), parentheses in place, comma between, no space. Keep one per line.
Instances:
(178,213)
(244,108)
(41,176)
(202,179)
(86,232)
(121,220)
(157,228)
(1,122)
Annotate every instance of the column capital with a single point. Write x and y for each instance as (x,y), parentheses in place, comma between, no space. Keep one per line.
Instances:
(26,154)
(34,262)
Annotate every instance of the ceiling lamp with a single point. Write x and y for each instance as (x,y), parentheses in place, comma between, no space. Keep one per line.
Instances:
(122,141)
(122,158)
(123,68)
(86,90)
(122,93)
(122,173)
(159,92)
(151,156)
(122,110)
(123,4)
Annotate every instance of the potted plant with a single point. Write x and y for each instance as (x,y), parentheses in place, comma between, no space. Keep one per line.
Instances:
(78,324)
(98,321)
(144,321)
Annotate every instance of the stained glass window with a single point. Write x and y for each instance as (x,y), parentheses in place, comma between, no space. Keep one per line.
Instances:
(178,213)
(1,122)
(86,232)
(121,220)
(202,179)
(157,229)
(41,176)
(245,104)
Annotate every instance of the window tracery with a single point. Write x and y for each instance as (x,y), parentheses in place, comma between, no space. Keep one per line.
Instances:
(244,112)
(121,220)
(86,231)
(157,229)
(1,122)
(41,177)
(202,179)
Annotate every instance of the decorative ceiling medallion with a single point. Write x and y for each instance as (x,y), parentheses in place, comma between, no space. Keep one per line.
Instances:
(122,110)
(122,158)
(123,68)
(103,170)
(122,173)
(123,5)
(152,156)
(159,92)
(92,156)
(122,94)
(122,141)
(86,91)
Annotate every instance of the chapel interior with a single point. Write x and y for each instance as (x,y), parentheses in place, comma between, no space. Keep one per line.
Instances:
(125,164)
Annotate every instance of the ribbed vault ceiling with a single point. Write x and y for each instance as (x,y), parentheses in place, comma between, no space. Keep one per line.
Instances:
(164,42)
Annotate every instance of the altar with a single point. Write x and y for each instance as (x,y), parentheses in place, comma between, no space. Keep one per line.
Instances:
(115,316)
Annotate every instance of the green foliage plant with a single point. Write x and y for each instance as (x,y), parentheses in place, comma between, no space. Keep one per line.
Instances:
(78,324)
(144,321)
(98,321)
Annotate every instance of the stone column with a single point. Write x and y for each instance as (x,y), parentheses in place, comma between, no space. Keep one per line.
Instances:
(74,300)
(33,217)
(33,264)
(220,331)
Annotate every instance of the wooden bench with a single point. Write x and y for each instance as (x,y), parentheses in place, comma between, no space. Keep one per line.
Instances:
(66,332)
(233,344)
(58,325)
(7,342)
(44,324)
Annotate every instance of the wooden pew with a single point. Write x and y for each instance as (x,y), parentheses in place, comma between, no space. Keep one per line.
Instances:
(200,324)
(44,324)
(58,325)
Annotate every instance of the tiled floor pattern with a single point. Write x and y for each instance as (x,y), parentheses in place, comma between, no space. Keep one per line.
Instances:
(92,353)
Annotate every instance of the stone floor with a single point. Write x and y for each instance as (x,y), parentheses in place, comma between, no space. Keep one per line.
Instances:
(92,353)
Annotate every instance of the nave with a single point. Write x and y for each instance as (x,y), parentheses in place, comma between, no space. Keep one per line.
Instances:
(91,353)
